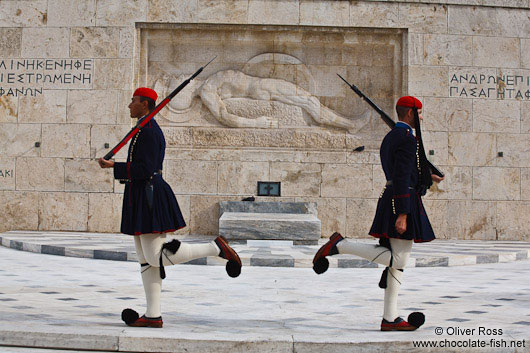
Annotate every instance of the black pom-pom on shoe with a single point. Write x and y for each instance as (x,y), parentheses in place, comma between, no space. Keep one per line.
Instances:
(129,316)
(321,265)
(416,319)
(233,269)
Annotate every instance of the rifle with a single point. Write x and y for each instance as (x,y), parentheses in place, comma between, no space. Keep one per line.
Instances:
(388,120)
(143,121)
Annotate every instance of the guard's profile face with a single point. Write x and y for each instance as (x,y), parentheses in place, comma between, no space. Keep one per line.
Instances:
(137,108)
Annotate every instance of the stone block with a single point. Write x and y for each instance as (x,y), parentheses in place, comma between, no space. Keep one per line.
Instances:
(85,175)
(330,211)
(172,11)
(10,42)
(297,179)
(23,14)
(525,117)
(487,21)
(126,44)
(423,18)
(300,228)
(224,11)
(447,114)
(277,12)
(40,174)
(525,53)
(49,107)
(124,114)
(495,183)
(448,50)
(340,180)
(512,220)
(66,13)
(63,211)
(19,139)
(374,14)
(472,149)
(102,134)
(65,140)
(378,181)
(325,13)
(359,217)
(112,74)
(7,173)
(45,42)
(428,81)
(94,42)
(20,210)
(268,156)
(496,52)
(8,109)
(416,49)
(240,178)
(120,12)
(268,207)
(178,136)
(436,141)
(104,212)
(204,213)
(498,116)
(458,184)
(472,220)
(191,177)
(321,157)
(515,149)
(525,184)
(92,106)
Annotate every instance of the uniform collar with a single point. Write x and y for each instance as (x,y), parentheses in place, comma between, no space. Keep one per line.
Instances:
(405,125)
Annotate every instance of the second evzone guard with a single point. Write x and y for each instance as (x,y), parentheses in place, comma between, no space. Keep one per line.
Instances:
(400,217)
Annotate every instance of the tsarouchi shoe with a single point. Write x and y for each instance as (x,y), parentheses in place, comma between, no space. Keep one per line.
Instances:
(415,320)
(131,318)
(233,266)
(320,263)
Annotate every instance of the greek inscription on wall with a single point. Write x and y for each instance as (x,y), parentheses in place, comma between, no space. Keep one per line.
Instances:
(29,77)
(490,84)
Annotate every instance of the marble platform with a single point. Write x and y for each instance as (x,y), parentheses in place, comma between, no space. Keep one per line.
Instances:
(295,221)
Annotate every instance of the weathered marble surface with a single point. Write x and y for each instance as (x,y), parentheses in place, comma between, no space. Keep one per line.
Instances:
(301,228)
(268,207)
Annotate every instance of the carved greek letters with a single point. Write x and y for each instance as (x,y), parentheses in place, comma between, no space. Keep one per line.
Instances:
(28,77)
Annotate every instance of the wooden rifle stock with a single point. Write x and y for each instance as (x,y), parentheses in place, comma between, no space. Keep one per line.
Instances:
(387,119)
(143,121)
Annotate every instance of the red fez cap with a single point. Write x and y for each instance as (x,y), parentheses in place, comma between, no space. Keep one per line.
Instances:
(409,102)
(146,92)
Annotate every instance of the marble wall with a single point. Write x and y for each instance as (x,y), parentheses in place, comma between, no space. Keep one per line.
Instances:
(67,71)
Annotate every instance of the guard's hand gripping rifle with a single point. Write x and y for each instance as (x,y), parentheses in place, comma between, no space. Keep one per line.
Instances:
(143,121)
(388,120)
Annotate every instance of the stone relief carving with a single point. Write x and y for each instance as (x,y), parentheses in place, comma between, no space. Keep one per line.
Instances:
(228,85)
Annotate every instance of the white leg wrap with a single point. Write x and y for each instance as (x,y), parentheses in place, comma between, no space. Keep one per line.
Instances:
(153,288)
(374,253)
(400,255)
(151,281)
(391,294)
(188,252)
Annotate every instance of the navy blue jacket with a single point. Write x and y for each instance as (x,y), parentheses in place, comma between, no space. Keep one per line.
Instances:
(400,164)
(142,171)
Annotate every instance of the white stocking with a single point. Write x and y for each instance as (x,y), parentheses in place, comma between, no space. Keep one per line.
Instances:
(151,281)
(393,283)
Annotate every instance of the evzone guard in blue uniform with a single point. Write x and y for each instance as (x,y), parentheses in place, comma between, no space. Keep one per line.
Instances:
(400,217)
(150,210)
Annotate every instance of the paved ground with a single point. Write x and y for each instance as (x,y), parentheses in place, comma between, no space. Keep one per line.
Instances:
(439,253)
(75,303)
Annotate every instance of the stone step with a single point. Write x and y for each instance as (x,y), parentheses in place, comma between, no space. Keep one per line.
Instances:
(242,226)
